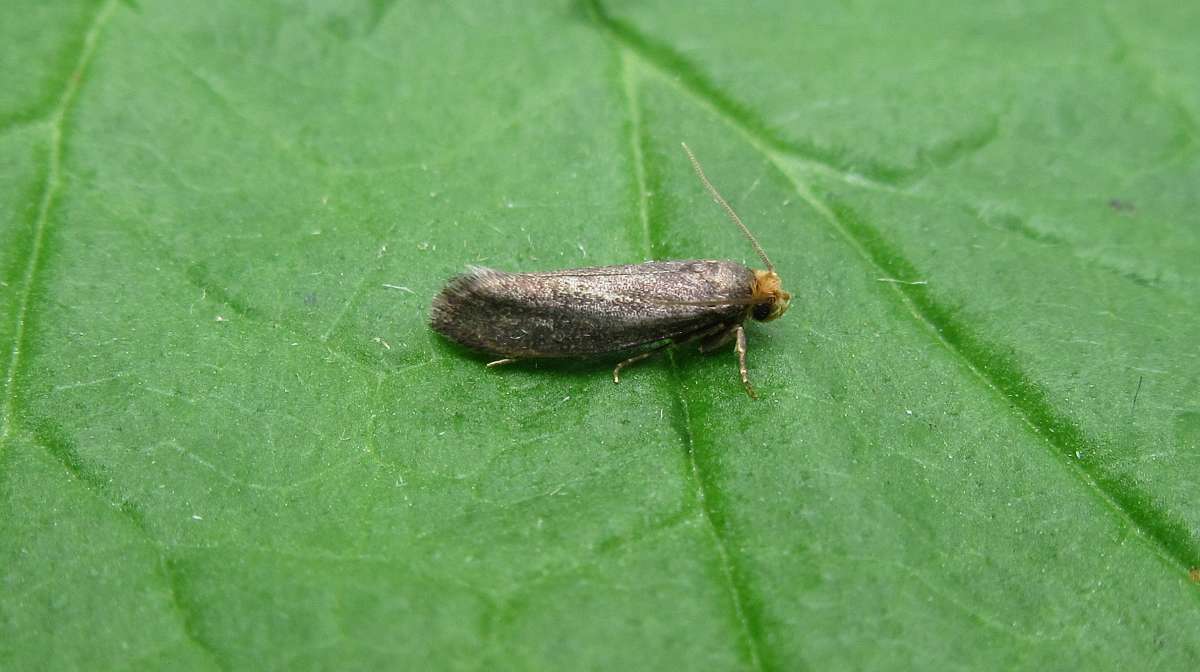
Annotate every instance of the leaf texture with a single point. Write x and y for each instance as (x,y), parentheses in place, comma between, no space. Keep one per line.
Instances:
(230,441)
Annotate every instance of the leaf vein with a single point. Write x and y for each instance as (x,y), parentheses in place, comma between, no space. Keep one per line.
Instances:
(49,438)
(1166,535)
(50,187)
(751,639)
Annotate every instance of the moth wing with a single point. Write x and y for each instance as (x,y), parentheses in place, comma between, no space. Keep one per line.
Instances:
(588,310)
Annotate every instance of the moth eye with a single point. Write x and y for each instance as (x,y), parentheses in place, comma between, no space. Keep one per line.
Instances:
(762,311)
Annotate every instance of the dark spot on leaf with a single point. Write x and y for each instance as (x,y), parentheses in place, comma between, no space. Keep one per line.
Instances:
(1120,206)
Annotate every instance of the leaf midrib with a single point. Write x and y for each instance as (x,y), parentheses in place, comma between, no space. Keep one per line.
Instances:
(751,640)
(1165,536)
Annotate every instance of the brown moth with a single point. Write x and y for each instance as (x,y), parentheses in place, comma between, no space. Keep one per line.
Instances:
(606,309)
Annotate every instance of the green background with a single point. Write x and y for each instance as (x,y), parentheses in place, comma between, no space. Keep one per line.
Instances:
(228,443)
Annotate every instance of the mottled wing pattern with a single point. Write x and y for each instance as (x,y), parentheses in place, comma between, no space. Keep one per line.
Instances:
(587,311)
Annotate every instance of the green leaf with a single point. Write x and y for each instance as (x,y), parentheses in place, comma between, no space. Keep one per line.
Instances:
(230,441)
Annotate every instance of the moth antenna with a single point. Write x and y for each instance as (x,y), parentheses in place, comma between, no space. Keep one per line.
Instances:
(728,210)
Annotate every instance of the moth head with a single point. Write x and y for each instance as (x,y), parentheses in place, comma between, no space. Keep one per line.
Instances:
(771,300)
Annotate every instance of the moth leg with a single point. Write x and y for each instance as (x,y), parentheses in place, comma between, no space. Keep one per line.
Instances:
(687,338)
(741,355)
(637,358)
(500,362)
(717,340)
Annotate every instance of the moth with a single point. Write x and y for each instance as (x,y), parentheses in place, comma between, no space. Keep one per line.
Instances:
(640,308)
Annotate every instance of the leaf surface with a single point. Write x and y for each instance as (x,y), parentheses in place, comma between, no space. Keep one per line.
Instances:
(229,440)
